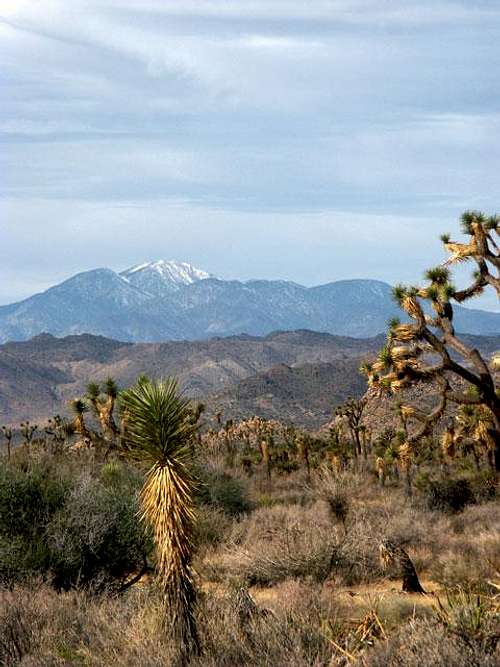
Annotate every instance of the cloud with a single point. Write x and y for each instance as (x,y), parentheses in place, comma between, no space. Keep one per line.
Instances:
(265,113)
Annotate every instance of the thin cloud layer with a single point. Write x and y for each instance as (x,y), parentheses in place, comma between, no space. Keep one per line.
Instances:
(271,126)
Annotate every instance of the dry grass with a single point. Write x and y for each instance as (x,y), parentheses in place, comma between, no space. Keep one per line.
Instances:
(288,583)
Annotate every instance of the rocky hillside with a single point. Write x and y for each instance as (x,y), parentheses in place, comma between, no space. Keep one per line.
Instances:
(38,377)
(304,395)
(296,376)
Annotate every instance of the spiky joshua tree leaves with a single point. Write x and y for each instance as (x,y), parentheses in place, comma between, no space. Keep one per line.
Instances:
(102,399)
(159,432)
(427,349)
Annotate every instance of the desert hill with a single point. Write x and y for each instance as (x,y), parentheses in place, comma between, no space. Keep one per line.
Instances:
(38,377)
(293,375)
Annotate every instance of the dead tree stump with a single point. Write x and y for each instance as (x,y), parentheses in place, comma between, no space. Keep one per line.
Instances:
(395,557)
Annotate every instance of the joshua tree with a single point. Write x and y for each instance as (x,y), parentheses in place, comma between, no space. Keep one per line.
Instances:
(448,443)
(380,468)
(79,408)
(352,412)
(266,456)
(303,452)
(472,432)
(405,461)
(28,431)
(103,401)
(428,350)
(228,442)
(481,249)
(198,411)
(7,434)
(159,432)
(366,439)
(58,429)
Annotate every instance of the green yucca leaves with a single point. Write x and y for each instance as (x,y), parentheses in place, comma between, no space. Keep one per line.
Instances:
(159,421)
(78,407)
(159,431)
(399,293)
(93,391)
(110,388)
(385,356)
(438,275)
(447,291)
(432,293)
(365,368)
(467,218)
(492,222)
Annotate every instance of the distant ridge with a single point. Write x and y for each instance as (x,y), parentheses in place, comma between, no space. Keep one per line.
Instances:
(170,300)
(298,376)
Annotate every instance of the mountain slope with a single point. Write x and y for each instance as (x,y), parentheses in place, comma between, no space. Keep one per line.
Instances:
(99,302)
(161,277)
(38,377)
(304,394)
(296,375)
(174,301)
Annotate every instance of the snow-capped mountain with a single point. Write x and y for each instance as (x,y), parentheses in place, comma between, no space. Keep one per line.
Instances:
(160,277)
(161,300)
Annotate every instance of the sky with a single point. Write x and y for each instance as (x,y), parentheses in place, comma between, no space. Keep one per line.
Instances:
(308,140)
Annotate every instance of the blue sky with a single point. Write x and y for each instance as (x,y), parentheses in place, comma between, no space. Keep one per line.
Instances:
(306,140)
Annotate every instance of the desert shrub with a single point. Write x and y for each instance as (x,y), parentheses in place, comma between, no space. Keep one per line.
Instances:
(464,631)
(471,561)
(96,540)
(336,490)
(212,525)
(28,498)
(426,642)
(73,531)
(238,631)
(226,492)
(446,494)
(21,625)
(473,618)
(118,475)
(28,501)
(71,629)
(281,542)
(485,486)
(45,629)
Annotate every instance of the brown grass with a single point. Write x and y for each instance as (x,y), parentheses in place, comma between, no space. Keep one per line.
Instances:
(288,583)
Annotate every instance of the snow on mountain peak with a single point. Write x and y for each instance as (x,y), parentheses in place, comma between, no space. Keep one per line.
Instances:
(157,276)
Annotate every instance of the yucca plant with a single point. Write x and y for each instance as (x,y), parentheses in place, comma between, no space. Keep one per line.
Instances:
(102,399)
(78,407)
(159,432)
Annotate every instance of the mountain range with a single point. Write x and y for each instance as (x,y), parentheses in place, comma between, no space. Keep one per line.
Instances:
(158,301)
(297,376)
(300,374)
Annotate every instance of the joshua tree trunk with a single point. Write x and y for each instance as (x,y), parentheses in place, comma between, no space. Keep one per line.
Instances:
(495,434)
(266,459)
(7,434)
